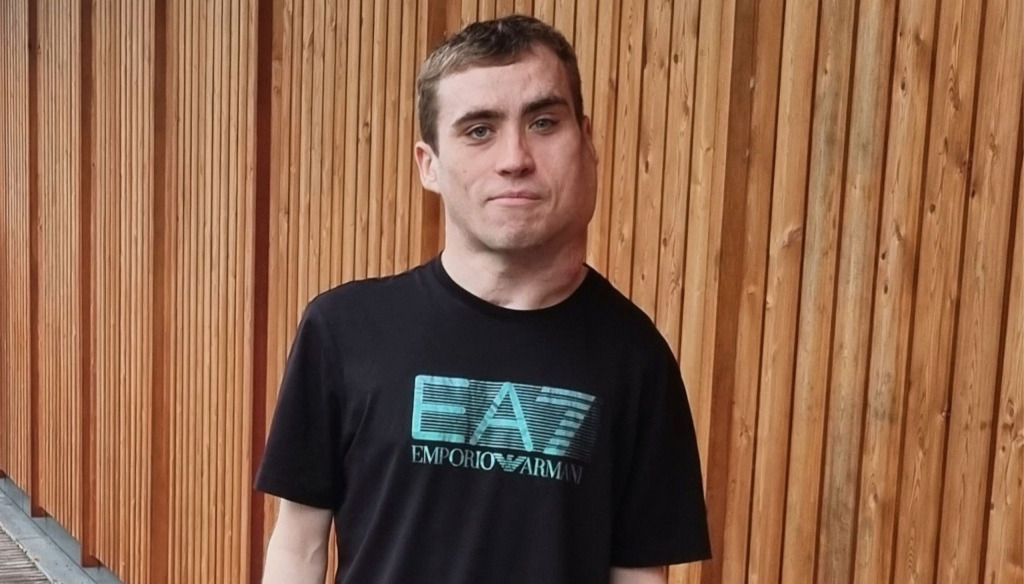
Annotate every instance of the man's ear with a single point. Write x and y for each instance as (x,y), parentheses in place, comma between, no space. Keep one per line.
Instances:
(426,161)
(587,127)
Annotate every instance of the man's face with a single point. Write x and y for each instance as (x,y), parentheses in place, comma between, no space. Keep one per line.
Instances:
(515,170)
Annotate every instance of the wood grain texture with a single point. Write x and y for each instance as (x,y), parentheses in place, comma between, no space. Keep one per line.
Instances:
(785,255)
(15,268)
(646,246)
(1004,545)
(812,378)
(895,290)
(855,290)
(60,407)
(765,56)
(983,283)
(627,114)
(817,204)
(938,293)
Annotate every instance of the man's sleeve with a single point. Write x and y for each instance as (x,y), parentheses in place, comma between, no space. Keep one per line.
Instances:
(660,517)
(302,455)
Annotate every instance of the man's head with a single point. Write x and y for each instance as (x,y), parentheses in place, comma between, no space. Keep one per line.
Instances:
(487,44)
(505,143)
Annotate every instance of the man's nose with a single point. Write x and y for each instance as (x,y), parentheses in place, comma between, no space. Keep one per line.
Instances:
(516,159)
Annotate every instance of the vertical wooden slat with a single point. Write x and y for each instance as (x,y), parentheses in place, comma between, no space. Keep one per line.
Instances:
(377,98)
(936,306)
(584,44)
(277,234)
(188,196)
(524,6)
(230,505)
(504,8)
(982,317)
(256,179)
(606,85)
(679,138)
(352,133)
(339,147)
(542,9)
(651,154)
(485,9)
(34,107)
(817,291)
(854,291)
(894,293)
(428,222)
(785,250)
(730,275)
(405,166)
(620,237)
(565,18)
(17,179)
(329,225)
(1004,542)
(164,160)
(219,196)
(364,184)
(306,26)
(85,272)
(707,168)
(469,13)
(317,195)
(59,287)
(390,170)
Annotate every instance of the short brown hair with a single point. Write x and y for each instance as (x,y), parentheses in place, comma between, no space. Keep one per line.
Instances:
(492,42)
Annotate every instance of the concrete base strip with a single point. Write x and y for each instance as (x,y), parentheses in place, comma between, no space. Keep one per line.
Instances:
(15,565)
(32,536)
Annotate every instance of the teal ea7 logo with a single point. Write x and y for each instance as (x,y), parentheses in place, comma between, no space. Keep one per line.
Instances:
(474,420)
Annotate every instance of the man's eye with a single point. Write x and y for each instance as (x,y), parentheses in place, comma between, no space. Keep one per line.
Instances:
(544,124)
(479,132)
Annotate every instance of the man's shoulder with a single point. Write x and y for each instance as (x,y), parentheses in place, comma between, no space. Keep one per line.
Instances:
(623,315)
(368,295)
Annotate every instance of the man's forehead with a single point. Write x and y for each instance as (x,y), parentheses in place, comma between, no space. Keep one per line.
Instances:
(503,86)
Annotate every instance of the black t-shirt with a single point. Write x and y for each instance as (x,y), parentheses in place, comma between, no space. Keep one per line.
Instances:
(460,442)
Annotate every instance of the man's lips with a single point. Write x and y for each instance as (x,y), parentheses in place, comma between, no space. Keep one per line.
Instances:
(515,197)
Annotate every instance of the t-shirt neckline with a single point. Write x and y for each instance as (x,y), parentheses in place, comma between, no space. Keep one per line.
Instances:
(436,269)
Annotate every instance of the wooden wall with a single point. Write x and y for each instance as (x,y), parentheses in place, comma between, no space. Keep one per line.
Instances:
(16,407)
(817,203)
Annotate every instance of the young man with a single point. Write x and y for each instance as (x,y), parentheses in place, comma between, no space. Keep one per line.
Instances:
(500,414)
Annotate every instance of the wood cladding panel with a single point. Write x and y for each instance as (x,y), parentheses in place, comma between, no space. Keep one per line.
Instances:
(58,223)
(210,205)
(15,317)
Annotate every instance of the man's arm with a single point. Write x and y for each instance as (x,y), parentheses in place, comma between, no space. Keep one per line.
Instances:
(298,546)
(657,575)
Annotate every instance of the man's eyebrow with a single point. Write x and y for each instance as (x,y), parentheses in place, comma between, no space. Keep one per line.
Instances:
(543,103)
(484,114)
(478,115)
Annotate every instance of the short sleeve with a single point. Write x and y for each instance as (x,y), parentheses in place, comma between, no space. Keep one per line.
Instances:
(660,517)
(301,458)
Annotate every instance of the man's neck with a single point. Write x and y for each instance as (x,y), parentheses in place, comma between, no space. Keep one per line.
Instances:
(520,282)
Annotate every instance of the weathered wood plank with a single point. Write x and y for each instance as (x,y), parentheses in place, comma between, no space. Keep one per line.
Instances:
(984,277)
(818,286)
(785,255)
(938,291)
(898,246)
(650,163)
(606,90)
(1004,544)
(855,290)
(741,446)
(628,106)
